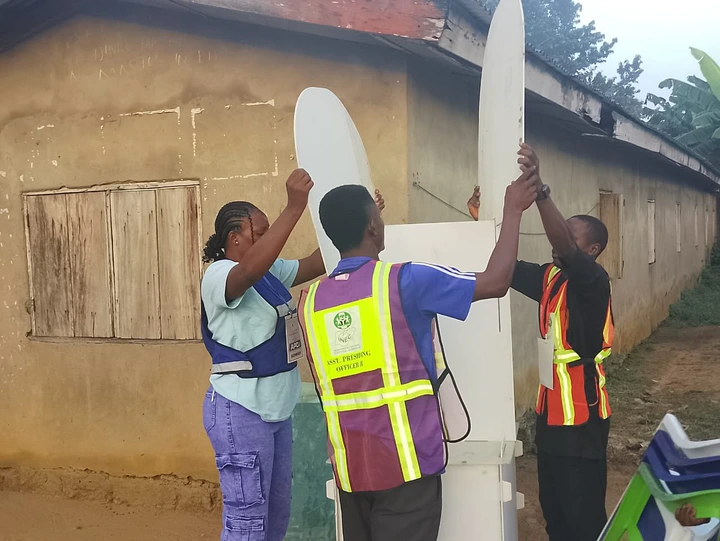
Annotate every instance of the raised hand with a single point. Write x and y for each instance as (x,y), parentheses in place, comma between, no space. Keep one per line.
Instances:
(379,201)
(298,187)
(473,203)
(522,192)
(526,159)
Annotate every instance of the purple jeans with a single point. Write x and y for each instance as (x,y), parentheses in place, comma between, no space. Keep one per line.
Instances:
(254,459)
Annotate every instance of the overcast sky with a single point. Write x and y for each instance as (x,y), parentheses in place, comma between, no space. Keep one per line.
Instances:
(660,31)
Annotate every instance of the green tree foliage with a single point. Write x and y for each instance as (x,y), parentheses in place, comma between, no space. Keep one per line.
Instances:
(553,28)
(621,89)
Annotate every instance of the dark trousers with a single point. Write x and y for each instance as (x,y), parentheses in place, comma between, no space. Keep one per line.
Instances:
(572,496)
(410,512)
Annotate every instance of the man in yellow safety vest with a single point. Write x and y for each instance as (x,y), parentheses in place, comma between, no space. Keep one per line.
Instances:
(368,328)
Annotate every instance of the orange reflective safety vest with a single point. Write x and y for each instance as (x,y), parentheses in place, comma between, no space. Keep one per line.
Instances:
(566,403)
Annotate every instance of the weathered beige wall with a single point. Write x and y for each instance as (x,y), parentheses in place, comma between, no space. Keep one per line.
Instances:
(442,142)
(443,153)
(97,101)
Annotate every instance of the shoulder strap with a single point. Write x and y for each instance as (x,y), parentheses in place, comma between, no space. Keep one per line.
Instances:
(272,290)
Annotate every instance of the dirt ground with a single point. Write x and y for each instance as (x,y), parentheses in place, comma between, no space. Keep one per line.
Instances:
(34,517)
(675,370)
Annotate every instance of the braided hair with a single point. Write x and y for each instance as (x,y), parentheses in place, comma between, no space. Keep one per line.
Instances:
(229,218)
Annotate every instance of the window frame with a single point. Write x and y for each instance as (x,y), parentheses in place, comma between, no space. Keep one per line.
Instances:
(618,200)
(678,227)
(652,237)
(107,190)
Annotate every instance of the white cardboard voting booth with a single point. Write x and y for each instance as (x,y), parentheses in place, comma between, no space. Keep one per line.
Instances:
(479,497)
(480,501)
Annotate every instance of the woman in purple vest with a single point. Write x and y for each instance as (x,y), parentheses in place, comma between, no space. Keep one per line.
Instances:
(249,326)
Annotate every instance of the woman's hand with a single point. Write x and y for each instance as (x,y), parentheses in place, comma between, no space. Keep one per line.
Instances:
(298,187)
(379,201)
(521,193)
(473,203)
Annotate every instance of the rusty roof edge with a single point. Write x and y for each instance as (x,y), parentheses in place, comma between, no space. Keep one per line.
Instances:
(412,19)
(463,35)
(477,13)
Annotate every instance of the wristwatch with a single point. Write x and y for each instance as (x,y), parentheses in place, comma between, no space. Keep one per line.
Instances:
(543,192)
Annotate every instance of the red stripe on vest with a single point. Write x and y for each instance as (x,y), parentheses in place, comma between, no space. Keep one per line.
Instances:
(550,401)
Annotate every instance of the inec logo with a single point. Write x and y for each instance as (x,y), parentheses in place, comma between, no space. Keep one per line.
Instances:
(344,332)
(342,320)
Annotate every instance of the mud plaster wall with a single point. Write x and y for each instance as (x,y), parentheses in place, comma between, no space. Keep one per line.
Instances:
(442,142)
(97,101)
(578,171)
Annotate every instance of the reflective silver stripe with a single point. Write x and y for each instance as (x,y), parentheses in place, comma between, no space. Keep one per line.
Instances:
(370,398)
(604,354)
(332,417)
(391,376)
(235,366)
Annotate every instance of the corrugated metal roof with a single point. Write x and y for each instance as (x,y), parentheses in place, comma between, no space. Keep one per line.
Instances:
(413,19)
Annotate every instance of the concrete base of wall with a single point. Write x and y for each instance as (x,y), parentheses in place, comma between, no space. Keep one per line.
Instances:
(163,492)
(312,515)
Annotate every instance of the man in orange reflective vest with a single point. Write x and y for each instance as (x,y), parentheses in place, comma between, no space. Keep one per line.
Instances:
(573,415)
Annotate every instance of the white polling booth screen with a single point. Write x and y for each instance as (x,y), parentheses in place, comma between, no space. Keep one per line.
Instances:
(479,486)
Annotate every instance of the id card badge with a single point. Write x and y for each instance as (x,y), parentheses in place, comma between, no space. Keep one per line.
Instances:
(294,339)
(546,353)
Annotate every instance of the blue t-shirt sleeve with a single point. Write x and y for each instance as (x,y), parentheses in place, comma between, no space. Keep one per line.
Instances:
(285,270)
(442,290)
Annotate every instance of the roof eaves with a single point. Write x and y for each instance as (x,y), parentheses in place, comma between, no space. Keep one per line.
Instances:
(23,19)
(483,16)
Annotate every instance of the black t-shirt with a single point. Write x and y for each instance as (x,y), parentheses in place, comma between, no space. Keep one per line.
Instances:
(588,293)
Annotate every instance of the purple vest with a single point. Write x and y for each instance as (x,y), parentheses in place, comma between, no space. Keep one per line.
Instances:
(367,433)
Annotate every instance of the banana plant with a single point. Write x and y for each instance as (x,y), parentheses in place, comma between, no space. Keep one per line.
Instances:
(692,112)
(709,69)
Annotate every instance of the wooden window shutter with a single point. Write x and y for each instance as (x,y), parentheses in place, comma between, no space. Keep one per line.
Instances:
(611,214)
(90,264)
(678,228)
(135,264)
(652,256)
(49,260)
(179,262)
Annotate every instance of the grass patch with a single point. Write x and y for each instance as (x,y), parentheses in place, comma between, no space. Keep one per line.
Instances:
(700,306)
